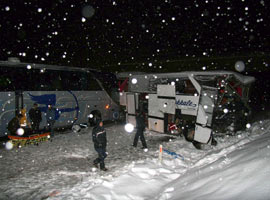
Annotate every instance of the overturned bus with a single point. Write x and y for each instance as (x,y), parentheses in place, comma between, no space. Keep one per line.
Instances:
(195,104)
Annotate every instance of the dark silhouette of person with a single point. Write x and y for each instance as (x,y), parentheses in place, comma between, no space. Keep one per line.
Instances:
(35,117)
(100,143)
(14,124)
(50,116)
(140,125)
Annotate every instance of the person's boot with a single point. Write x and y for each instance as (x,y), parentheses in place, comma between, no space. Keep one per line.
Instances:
(104,169)
(95,165)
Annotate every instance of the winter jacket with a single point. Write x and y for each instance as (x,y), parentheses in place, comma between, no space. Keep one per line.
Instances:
(140,123)
(23,120)
(99,137)
(50,115)
(35,115)
(13,125)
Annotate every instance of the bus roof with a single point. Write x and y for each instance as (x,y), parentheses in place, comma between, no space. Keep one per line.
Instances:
(242,78)
(43,66)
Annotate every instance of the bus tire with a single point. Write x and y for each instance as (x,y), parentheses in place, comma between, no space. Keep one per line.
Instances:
(94,117)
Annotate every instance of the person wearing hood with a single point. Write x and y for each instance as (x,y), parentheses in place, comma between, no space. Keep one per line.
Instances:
(100,143)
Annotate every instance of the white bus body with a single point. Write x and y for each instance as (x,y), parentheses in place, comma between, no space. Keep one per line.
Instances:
(75,93)
(197,98)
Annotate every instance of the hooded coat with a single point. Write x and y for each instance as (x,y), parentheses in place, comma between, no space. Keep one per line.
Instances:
(99,136)
(35,115)
(13,125)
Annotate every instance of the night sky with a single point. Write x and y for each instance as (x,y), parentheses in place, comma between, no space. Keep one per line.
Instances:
(137,34)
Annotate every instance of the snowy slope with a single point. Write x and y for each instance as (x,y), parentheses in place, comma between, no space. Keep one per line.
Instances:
(238,168)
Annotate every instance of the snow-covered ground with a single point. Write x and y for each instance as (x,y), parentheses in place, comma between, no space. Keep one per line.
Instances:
(237,168)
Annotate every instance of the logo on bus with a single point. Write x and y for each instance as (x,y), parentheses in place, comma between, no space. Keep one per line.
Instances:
(47,99)
(188,103)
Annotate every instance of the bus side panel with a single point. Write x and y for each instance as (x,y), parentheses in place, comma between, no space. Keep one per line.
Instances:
(70,105)
(63,101)
(7,108)
(187,104)
(155,115)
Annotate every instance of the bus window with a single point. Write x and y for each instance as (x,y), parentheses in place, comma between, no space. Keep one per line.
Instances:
(179,86)
(83,81)
(189,88)
(93,84)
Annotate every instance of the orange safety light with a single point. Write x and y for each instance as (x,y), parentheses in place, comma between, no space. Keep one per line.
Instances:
(107,106)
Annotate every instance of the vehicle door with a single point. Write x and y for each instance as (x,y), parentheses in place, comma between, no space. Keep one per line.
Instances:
(132,106)
(160,104)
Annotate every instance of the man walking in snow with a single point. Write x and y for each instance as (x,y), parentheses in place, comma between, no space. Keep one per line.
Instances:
(100,143)
(140,125)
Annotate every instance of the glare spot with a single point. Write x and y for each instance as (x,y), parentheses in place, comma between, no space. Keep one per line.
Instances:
(9,145)
(20,131)
(225,110)
(134,81)
(248,125)
(90,116)
(239,66)
(88,11)
(28,67)
(129,127)
(7,8)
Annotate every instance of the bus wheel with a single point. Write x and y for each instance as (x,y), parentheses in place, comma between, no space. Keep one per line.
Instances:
(94,117)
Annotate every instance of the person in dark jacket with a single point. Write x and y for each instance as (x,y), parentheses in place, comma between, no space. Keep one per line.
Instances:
(140,125)
(100,143)
(35,117)
(50,116)
(14,124)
